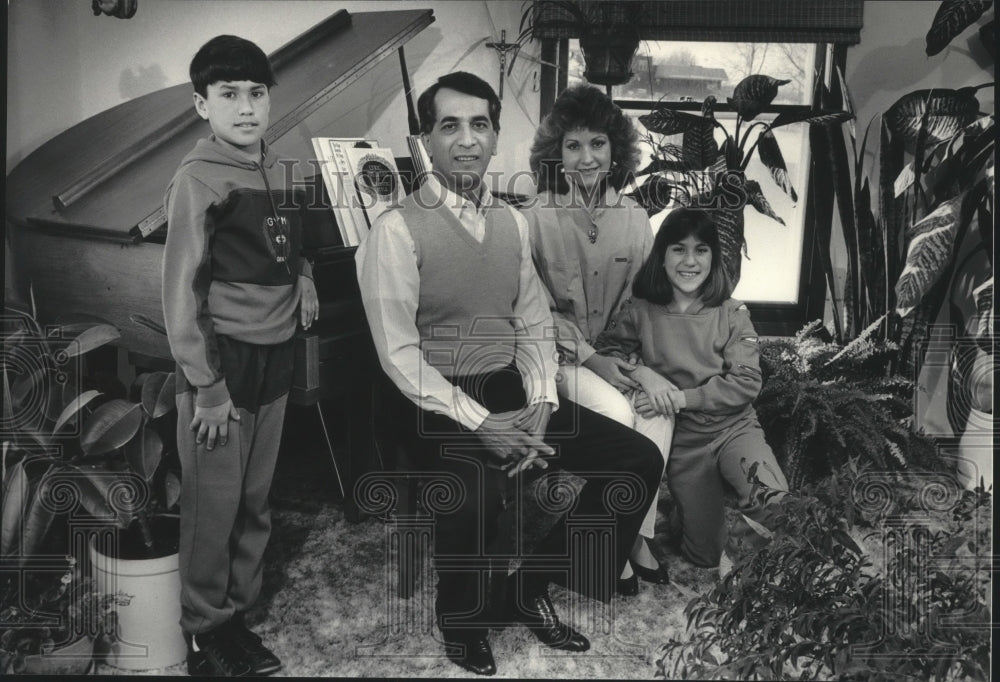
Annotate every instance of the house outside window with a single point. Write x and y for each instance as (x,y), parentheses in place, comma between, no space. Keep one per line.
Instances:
(682,74)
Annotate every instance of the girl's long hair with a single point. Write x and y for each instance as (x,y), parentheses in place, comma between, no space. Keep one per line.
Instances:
(652,283)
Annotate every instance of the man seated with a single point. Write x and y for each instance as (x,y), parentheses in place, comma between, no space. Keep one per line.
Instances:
(462,328)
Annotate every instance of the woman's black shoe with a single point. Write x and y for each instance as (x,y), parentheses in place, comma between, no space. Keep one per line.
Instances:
(657,576)
(628,587)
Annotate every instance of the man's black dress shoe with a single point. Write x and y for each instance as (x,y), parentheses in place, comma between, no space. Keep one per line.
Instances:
(627,587)
(538,614)
(475,655)
(657,576)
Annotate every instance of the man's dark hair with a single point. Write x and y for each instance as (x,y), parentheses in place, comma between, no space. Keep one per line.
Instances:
(229,58)
(465,83)
(651,282)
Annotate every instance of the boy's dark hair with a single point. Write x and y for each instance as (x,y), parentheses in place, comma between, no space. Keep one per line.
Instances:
(583,106)
(465,83)
(229,58)
(651,282)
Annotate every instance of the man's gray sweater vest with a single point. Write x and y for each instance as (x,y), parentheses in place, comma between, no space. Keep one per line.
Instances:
(465,313)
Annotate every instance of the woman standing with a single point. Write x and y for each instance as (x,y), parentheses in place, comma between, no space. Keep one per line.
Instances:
(588,242)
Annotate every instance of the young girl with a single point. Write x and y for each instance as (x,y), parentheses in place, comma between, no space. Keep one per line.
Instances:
(588,242)
(701,368)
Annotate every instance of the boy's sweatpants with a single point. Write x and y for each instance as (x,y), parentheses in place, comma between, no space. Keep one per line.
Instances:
(225,513)
(226,516)
(702,466)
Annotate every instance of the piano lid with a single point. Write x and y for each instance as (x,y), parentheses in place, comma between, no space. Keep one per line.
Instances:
(108,174)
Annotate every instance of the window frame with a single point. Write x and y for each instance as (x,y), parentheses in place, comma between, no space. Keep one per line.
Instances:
(770,319)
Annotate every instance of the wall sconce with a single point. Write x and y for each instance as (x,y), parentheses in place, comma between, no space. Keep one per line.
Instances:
(123,9)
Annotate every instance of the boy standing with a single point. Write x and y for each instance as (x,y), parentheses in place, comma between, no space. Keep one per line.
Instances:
(232,280)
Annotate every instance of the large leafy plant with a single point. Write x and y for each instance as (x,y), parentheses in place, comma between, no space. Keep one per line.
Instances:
(812,604)
(916,216)
(708,167)
(64,444)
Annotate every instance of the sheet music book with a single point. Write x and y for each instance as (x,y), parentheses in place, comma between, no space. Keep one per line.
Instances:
(331,152)
(376,181)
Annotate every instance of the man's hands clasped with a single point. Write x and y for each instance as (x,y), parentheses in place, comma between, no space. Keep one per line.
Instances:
(515,438)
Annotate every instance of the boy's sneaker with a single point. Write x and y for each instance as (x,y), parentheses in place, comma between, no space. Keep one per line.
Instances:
(262,660)
(215,654)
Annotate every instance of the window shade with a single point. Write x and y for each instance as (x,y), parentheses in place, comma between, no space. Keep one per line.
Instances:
(787,21)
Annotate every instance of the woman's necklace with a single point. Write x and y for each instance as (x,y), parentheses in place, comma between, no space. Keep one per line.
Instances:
(592,234)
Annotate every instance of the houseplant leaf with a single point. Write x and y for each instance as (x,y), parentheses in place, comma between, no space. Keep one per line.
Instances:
(92,338)
(171,489)
(111,426)
(983,295)
(755,197)
(16,493)
(752,94)
(75,406)
(658,165)
(699,148)
(665,121)
(109,496)
(49,498)
(931,241)
(654,194)
(731,241)
(144,452)
(953,17)
(158,394)
(812,117)
(947,112)
(770,156)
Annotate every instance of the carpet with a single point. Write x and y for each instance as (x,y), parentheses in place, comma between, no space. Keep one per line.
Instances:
(328,605)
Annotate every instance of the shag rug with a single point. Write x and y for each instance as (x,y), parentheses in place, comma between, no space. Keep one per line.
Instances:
(329,607)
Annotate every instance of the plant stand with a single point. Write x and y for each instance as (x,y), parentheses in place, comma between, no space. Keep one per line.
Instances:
(149,633)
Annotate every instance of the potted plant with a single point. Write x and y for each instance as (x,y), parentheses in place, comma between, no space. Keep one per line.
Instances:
(108,456)
(916,217)
(608,34)
(701,171)
(52,622)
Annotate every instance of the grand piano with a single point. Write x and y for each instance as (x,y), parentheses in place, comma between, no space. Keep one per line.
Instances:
(86,226)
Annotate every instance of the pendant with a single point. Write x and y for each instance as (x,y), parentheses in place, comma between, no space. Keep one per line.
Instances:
(592,235)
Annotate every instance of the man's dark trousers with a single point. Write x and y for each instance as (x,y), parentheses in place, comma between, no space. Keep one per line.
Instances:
(621,469)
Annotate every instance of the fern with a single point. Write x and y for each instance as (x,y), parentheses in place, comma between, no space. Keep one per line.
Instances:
(822,405)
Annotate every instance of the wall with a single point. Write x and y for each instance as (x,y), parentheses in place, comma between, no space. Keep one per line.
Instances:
(65,64)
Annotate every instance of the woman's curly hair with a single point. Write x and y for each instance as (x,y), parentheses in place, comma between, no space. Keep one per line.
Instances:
(583,106)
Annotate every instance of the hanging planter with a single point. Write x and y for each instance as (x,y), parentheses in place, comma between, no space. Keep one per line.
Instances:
(608,33)
(608,54)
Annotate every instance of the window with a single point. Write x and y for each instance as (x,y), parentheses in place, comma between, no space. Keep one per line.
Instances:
(682,74)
